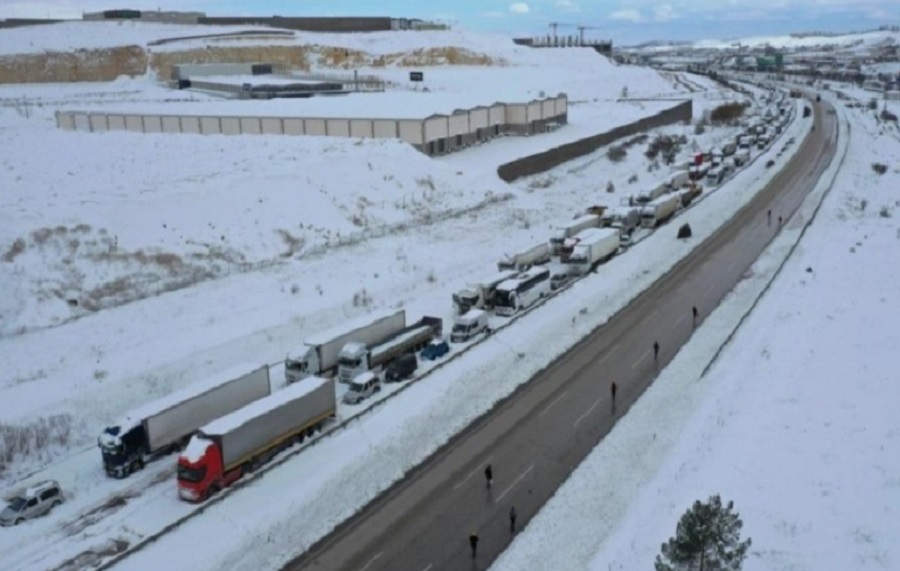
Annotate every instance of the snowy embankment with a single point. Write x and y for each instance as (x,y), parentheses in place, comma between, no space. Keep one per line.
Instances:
(795,428)
(329,482)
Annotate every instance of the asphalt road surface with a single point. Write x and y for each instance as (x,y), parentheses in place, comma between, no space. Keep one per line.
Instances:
(534,439)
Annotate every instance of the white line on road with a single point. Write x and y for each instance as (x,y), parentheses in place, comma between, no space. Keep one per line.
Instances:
(679,321)
(517,480)
(480,466)
(556,400)
(651,316)
(608,353)
(430,565)
(593,406)
(641,360)
(372,560)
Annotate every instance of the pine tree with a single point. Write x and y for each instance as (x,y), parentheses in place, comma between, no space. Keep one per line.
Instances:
(708,538)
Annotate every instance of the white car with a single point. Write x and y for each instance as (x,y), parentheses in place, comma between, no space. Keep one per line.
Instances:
(35,501)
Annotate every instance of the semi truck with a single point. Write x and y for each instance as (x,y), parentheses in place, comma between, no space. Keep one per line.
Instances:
(164,425)
(623,218)
(357,358)
(535,255)
(564,231)
(593,249)
(227,448)
(318,356)
(649,195)
(479,295)
(659,211)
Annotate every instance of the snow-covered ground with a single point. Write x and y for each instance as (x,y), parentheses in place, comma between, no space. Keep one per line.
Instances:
(795,421)
(857,40)
(273,239)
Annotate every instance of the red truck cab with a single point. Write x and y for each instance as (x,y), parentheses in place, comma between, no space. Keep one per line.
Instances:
(200,471)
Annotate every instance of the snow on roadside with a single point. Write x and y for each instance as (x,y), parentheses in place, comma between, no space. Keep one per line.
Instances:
(326,482)
(794,428)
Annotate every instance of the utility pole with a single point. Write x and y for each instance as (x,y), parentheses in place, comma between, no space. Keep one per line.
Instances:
(553,26)
(581,30)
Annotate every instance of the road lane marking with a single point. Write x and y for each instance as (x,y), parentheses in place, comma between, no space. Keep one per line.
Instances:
(679,320)
(593,406)
(651,316)
(430,565)
(516,481)
(608,353)
(480,466)
(372,560)
(641,360)
(556,400)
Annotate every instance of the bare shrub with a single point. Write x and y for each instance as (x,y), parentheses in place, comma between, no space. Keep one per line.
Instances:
(21,441)
(699,129)
(430,277)
(888,116)
(426,182)
(885,212)
(17,247)
(41,236)
(362,298)
(633,179)
(726,112)
(616,153)
(862,205)
(879,168)
(873,104)
(610,187)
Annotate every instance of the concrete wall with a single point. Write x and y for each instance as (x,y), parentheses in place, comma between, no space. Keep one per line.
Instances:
(352,24)
(542,162)
(433,135)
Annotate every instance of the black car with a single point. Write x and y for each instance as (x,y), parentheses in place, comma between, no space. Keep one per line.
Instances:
(401,368)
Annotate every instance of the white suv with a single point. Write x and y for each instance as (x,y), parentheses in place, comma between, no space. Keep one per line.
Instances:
(37,500)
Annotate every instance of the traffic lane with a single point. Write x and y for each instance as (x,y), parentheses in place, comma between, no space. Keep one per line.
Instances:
(494,513)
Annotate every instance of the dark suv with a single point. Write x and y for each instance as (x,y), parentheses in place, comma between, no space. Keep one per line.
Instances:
(401,368)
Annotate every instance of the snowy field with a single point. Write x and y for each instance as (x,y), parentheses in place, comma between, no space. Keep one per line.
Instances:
(795,421)
(187,255)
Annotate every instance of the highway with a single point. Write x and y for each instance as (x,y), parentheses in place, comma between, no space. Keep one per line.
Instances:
(534,439)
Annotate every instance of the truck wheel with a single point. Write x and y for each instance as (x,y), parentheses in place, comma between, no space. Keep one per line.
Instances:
(54,504)
(137,465)
(18,521)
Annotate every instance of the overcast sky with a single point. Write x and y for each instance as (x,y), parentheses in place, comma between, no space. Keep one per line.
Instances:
(624,21)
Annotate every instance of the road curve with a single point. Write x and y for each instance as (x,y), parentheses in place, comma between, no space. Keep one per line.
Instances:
(534,439)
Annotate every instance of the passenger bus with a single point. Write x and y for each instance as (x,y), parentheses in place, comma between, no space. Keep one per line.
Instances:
(523,291)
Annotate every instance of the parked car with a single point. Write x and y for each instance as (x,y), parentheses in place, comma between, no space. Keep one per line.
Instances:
(435,350)
(35,501)
(401,368)
(362,387)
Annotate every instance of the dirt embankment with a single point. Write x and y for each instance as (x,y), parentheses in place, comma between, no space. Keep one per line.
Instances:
(104,64)
(109,63)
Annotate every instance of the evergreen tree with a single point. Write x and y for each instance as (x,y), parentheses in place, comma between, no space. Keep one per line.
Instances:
(708,538)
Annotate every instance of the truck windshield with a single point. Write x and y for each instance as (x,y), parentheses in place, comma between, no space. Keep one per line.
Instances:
(292,365)
(348,362)
(460,327)
(194,475)
(503,297)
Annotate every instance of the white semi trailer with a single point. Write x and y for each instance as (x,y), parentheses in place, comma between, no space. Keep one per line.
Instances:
(318,356)
(570,229)
(594,247)
(659,211)
(164,425)
(236,444)
(535,255)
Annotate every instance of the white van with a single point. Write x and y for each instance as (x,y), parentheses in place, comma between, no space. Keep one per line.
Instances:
(469,325)
(715,176)
(362,387)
